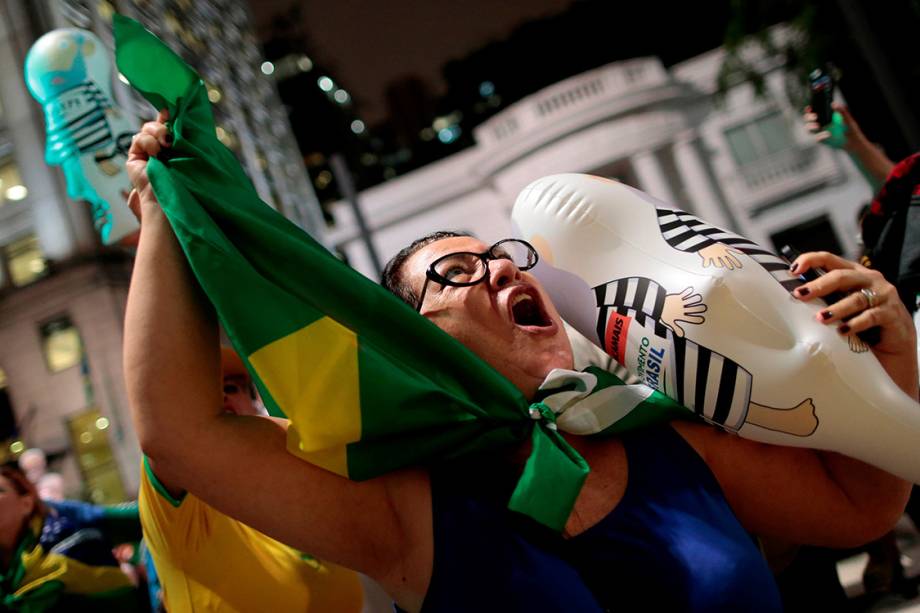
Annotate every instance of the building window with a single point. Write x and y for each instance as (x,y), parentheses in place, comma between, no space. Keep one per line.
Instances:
(11,186)
(813,235)
(621,171)
(760,138)
(25,260)
(61,344)
(89,434)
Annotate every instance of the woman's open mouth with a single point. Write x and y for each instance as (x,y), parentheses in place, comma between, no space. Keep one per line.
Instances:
(527,311)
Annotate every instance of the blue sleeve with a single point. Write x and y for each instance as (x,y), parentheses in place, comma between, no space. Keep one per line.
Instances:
(119,523)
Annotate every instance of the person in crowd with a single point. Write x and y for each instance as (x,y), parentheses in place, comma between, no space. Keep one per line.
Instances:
(240,396)
(889,233)
(890,229)
(871,158)
(51,487)
(154,588)
(663,517)
(58,556)
(207,561)
(34,463)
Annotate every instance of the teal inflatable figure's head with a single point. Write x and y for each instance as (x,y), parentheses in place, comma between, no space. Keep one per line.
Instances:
(63,59)
(69,72)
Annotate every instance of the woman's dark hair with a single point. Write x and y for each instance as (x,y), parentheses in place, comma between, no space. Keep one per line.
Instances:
(392,273)
(23,487)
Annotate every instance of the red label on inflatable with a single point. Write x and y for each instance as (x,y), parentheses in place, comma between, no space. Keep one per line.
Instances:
(615,336)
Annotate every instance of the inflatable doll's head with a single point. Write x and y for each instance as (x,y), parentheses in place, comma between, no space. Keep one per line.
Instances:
(63,59)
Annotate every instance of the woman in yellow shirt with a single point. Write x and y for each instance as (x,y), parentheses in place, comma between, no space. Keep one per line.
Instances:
(208,561)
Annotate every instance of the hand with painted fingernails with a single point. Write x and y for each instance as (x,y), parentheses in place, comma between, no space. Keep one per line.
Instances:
(869,301)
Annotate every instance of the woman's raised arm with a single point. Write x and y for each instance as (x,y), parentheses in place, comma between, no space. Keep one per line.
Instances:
(240,464)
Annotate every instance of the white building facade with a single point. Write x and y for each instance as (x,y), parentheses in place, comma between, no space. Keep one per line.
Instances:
(740,161)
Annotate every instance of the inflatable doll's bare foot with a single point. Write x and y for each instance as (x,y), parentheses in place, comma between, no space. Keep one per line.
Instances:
(857,345)
(800,420)
(102,218)
(108,167)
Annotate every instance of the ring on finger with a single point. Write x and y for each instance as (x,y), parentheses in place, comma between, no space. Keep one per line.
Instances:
(870,296)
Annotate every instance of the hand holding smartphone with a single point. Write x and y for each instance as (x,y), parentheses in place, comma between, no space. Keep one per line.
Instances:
(871,336)
(821,84)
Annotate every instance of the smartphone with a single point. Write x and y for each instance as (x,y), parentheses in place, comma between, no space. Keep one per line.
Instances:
(871,336)
(821,84)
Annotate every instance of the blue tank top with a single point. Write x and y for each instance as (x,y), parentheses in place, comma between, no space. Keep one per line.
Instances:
(672,543)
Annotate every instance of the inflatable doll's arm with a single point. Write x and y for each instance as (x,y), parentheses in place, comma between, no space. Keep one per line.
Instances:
(639,293)
(689,234)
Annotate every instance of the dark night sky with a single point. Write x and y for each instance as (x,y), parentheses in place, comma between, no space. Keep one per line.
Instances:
(367,43)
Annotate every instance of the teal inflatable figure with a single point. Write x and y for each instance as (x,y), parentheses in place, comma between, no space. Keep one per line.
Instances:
(70,74)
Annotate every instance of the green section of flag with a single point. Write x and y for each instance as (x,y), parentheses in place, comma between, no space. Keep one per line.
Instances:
(594,401)
(655,409)
(423,397)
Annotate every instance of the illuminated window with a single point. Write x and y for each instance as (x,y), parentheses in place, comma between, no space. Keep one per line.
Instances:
(171,22)
(25,260)
(61,344)
(89,434)
(11,187)
(214,94)
(227,137)
(760,138)
(105,10)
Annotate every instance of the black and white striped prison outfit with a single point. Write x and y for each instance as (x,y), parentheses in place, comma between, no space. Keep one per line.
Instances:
(706,382)
(82,119)
(641,297)
(690,234)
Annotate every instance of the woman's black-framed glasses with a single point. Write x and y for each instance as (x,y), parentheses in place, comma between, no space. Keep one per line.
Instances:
(465,268)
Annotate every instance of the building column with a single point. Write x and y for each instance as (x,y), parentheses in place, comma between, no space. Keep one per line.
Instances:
(698,184)
(652,179)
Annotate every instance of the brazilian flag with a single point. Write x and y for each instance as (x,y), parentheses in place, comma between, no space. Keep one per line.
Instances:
(368,384)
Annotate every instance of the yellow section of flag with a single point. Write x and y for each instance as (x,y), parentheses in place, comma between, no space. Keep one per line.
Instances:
(312,374)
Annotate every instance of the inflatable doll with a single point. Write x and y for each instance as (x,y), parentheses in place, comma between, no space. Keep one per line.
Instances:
(70,74)
(706,317)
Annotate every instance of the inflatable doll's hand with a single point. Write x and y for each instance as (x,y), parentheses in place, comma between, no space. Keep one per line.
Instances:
(686,307)
(720,256)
